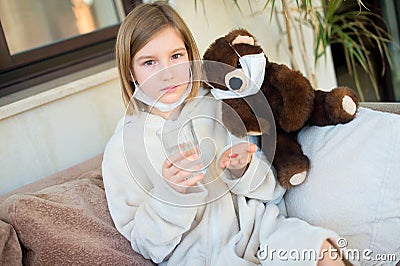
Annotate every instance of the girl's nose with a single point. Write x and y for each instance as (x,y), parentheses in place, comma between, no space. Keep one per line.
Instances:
(167,71)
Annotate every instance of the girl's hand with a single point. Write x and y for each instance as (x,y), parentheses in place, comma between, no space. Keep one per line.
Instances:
(181,170)
(237,158)
(330,255)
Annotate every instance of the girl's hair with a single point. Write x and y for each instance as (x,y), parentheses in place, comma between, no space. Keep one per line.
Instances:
(139,26)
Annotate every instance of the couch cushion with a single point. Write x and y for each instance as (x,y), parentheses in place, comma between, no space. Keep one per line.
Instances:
(354,182)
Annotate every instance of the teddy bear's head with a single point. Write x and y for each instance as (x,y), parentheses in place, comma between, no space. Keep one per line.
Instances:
(235,68)
(227,50)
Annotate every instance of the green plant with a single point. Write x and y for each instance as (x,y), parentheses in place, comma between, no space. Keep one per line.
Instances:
(355,30)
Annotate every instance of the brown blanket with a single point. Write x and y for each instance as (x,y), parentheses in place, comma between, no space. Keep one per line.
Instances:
(67,224)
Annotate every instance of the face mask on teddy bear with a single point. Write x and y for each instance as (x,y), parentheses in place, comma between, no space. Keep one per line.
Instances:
(253,68)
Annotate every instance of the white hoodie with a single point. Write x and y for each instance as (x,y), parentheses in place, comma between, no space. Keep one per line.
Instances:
(226,221)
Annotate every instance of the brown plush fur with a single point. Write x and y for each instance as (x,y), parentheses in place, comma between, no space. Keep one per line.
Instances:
(293,102)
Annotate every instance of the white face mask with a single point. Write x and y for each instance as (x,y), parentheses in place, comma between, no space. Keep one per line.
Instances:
(140,95)
(253,66)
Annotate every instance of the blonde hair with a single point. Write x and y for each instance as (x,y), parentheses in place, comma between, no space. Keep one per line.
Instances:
(139,26)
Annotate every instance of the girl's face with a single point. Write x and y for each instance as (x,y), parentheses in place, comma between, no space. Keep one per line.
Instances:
(161,67)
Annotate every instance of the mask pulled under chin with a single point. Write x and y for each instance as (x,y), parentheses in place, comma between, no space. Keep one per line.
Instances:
(163,107)
(254,69)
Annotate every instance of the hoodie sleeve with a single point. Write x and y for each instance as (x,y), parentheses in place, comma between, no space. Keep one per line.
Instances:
(154,227)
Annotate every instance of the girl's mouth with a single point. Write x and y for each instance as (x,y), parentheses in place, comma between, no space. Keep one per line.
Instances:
(169,89)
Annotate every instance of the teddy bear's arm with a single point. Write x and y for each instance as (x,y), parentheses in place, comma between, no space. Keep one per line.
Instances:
(297,96)
(333,107)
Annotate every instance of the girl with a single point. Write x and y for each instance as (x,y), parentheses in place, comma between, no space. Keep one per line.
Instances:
(169,214)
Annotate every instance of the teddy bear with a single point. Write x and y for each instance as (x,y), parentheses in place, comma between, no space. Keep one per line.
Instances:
(292,100)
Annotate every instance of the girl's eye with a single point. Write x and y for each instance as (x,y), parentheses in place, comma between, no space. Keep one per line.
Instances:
(149,63)
(176,56)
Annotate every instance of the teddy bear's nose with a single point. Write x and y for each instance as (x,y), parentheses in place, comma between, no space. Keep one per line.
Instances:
(235,83)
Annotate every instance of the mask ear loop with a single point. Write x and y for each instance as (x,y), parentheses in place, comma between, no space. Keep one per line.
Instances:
(190,83)
(190,74)
(136,88)
(133,80)
(237,53)
(130,72)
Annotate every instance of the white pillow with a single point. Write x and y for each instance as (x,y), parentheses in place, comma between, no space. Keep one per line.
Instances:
(353,186)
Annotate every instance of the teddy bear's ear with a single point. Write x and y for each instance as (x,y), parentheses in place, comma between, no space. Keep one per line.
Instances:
(243,39)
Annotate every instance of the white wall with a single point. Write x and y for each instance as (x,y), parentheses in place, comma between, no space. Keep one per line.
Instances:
(216,18)
(72,123)
(59,134)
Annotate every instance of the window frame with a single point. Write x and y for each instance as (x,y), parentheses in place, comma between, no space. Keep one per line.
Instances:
(33,67)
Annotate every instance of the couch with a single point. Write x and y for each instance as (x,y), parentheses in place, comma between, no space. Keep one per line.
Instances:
(63,219)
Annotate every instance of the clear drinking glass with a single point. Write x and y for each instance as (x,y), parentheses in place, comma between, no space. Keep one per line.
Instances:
(181,141)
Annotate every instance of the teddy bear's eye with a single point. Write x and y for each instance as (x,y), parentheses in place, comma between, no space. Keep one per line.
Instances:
(238,65)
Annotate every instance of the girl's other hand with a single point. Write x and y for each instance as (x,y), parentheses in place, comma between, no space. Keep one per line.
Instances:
(237,158)
(182,170)
(330,255)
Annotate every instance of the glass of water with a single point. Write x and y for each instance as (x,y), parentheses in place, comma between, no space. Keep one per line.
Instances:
(181,141)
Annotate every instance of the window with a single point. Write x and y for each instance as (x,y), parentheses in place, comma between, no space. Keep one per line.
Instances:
(391,13)
(389,83)
(44,39)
